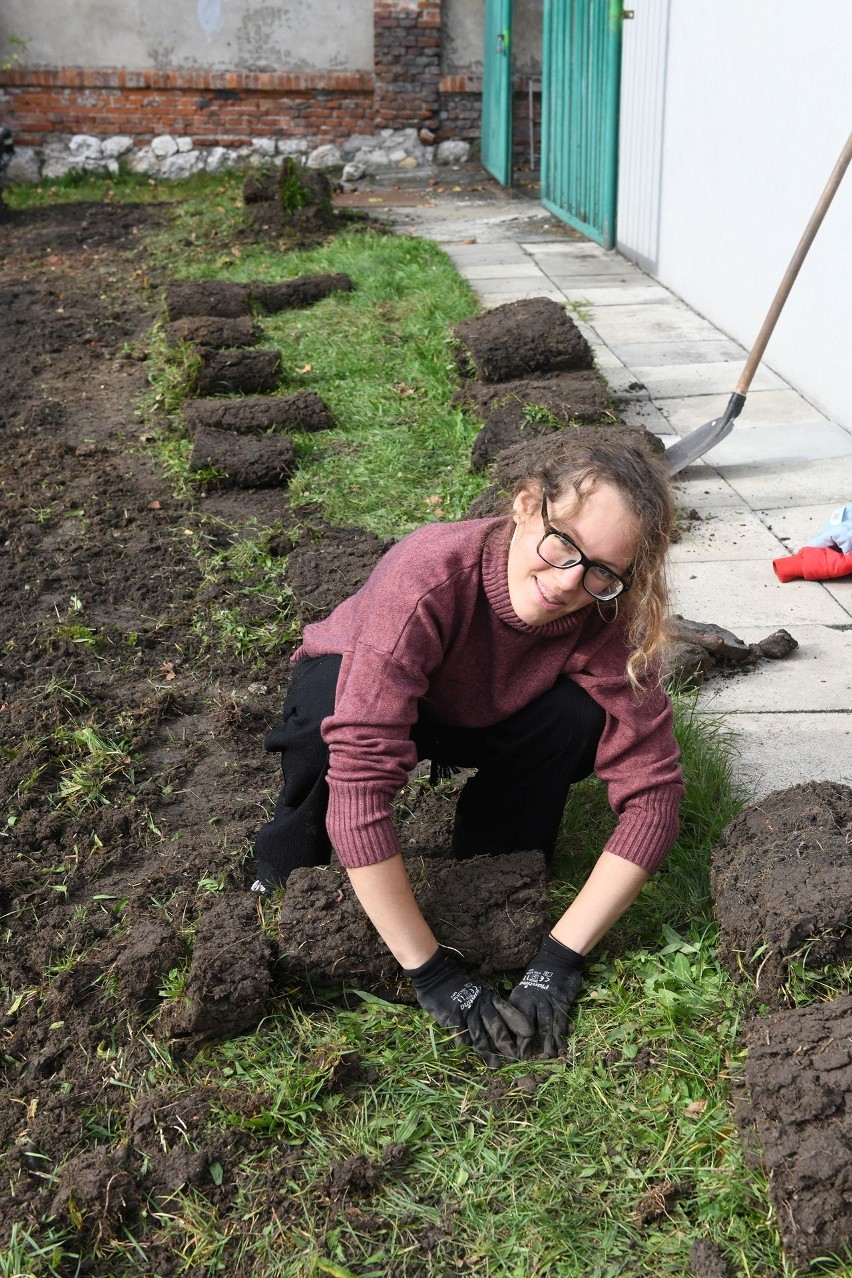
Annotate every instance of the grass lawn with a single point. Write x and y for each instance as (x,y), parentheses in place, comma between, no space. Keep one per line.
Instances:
(609,1163)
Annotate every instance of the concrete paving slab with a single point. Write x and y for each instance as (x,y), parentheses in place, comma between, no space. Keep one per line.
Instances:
(583,272)
(774,751)
(505,271)
(500,296)
(658,354)
(702,488)
(748,593)
(605,283)
(841,591)
(794,526)
(804,681)
(466,255)
(576,248)
(679,381)
(643,412)
(631,294)
(778,485)
(734,533)
(790,443)
(659,321)
(761,407)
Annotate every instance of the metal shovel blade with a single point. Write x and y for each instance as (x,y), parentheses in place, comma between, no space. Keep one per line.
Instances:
(698,442)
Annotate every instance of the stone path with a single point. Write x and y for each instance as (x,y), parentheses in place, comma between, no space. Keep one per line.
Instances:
(762,492)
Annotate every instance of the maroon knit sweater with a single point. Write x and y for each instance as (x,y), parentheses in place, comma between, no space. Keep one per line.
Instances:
(434,623)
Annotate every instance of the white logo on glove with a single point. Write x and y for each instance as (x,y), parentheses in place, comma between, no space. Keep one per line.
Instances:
(535,980)
(467,995)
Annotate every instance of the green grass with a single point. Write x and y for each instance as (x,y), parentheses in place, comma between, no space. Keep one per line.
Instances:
(543,1167)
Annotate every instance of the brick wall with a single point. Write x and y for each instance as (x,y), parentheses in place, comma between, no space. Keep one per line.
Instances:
(214,108)
(461,115)
(228,108)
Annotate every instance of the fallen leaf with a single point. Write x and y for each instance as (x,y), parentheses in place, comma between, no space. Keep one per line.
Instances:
(153,505)
(167,668)
(694,1108)
(236,250)
(307,369)
(404,388)
(472,240)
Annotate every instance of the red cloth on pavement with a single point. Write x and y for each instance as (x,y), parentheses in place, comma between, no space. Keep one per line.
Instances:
(813,563)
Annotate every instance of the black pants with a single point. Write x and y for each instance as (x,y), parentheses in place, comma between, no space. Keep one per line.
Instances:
(525,767)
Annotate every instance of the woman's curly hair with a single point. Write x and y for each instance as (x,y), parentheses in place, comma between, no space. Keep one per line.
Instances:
(643,482)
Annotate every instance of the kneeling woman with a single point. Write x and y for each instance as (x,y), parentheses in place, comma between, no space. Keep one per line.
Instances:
(526,647)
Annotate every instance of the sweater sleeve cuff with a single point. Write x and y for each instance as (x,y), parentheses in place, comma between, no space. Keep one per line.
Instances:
(647,829)
(360,827)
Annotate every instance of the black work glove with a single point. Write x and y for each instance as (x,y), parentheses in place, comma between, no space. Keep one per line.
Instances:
(545,993)
(485,1021)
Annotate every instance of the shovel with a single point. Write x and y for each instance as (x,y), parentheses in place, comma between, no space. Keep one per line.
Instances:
(700,441)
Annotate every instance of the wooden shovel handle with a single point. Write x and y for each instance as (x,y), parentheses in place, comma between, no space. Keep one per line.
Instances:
(793,269)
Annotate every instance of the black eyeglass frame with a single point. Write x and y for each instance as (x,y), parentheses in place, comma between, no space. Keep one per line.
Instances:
(550,531)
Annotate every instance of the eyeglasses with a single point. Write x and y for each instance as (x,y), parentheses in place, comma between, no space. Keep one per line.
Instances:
(560,552)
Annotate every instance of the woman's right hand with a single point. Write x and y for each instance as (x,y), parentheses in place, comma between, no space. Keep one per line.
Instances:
(484,1021)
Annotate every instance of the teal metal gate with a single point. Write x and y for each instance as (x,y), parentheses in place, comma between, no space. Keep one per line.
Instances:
(581,73)
(497,91)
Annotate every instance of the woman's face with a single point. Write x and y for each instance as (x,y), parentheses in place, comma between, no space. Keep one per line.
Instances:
(601,527)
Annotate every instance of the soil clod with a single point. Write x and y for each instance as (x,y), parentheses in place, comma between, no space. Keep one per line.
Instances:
(256,414)
(799,1076)
(696,649)
(96,1195)
(224,298)
(781,880)
(304,290)
(247,372)
(244,462)
(229,980)
(520,338)
(707,1260)
(213,331)
(494,910)
(330,566)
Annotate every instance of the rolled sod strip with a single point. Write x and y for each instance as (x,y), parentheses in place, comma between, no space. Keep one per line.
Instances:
(244,461)
(519,339)
(302,291)
(493,909)
(214,331)
(250,372)
(256,414)
(206,297)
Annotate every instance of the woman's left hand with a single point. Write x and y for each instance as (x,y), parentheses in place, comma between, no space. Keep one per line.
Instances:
(545,994)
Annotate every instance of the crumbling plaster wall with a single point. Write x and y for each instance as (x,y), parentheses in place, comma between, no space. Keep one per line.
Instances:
(299,36)
(462,47)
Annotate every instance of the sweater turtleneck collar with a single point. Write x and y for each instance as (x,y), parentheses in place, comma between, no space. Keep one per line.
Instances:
(495,581)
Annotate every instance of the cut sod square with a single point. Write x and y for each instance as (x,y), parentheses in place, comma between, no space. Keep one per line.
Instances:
(799,1077)
(781,880)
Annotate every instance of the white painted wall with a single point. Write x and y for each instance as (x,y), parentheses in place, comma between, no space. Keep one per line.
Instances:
(244,35)
(733,115)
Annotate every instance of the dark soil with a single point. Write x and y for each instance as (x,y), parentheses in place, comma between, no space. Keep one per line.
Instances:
(520,338)
(698,649)
(211,331)
(242,461)
(494,910)
(207,297)
(781,880)
(256,414)
(329,565)
(302,291)
(242,372)
(707,1260)
(799,1076)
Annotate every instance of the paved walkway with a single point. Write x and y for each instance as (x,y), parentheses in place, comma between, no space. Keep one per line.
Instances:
(763,491)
